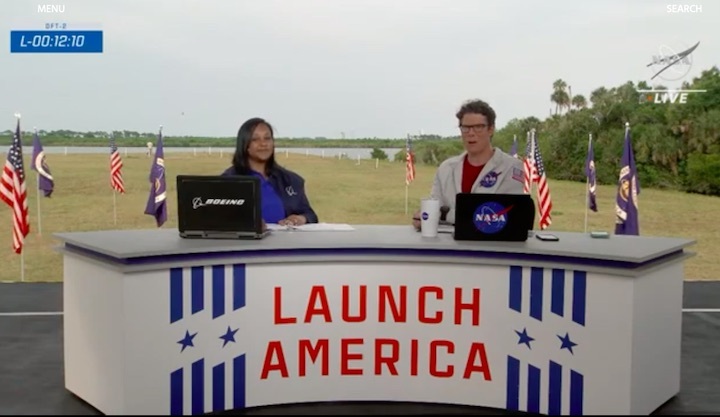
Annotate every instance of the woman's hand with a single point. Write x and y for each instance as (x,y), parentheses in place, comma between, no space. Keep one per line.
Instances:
(293,220)
(416,220)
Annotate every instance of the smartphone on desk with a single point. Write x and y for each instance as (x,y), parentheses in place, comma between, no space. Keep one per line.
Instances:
(546,237)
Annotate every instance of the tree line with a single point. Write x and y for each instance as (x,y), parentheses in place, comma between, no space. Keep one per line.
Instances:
(676,145)
(125,138)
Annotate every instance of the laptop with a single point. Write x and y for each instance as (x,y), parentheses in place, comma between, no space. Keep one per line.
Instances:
(493,217)
(219,207)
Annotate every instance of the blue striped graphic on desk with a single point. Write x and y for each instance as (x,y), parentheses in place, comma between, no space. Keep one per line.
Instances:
(527,371)
(197,294)
(558,293)
(556,375)
(204,306)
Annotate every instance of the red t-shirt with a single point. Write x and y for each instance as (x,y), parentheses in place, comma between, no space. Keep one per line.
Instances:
(469,175)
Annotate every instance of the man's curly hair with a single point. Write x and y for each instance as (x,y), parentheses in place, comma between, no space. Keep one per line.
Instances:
(477,107)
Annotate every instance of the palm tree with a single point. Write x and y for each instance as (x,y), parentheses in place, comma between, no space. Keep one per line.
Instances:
(560,97)
(579,101)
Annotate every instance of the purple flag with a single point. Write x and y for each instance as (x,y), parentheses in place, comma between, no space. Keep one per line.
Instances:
(626,201)
(590,174)
(513,150)
(38,163)
(157,204)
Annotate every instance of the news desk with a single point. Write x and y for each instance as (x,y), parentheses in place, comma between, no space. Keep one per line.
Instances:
(155,324)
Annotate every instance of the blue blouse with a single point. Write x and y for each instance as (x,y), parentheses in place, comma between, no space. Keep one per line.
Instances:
(273,209)
(282,194)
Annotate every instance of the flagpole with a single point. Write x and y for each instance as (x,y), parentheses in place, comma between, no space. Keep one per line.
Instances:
(587,188)
(531,140)
(114,199)
(22,238)
(37,178)
(408,158)
(406,197)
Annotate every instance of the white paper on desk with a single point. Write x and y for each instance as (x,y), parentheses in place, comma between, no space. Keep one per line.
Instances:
(275,226)
(324,227)
(313,227)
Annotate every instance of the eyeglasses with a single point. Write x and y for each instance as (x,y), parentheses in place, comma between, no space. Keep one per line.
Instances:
(475,128)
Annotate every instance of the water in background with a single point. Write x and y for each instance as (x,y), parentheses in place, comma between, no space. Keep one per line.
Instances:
(349,153)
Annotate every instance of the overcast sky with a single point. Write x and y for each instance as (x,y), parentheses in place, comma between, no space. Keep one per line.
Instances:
(368,68)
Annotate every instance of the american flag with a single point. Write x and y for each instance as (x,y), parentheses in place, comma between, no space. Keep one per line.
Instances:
(535,173)
(409,163)
(13,191)
(116,164)
(528,170)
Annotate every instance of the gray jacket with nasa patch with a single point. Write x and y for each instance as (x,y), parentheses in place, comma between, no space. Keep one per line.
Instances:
(502,174)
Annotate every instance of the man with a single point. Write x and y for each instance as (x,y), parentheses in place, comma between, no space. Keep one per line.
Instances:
(480,169)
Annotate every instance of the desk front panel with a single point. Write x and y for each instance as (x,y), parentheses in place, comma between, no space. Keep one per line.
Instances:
(209,338)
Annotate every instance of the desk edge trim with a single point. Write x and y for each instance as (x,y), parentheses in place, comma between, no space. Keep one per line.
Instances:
(379,252)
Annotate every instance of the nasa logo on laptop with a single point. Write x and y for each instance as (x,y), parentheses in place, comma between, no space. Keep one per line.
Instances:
(490,217)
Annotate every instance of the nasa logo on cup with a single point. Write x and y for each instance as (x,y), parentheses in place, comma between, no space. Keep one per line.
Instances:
(424,215)
(490,217)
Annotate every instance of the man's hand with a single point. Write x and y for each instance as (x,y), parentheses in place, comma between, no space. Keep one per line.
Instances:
(293,220)
(444,210)
(416,220)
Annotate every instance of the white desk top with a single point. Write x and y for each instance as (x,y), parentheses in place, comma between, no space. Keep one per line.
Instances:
(160,245)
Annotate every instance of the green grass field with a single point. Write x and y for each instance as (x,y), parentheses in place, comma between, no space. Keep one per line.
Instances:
(341,191)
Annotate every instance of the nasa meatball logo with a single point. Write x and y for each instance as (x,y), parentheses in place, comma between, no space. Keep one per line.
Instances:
(424,215)
(490,217)
(490,179)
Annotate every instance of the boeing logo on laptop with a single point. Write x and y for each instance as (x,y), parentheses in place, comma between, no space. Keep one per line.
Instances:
(197,202)
(490,217)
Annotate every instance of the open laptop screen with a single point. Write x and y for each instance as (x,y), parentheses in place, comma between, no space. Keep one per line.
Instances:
(495,217)
(219,203)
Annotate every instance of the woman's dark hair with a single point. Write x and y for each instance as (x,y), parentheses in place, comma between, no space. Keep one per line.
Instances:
(244,136)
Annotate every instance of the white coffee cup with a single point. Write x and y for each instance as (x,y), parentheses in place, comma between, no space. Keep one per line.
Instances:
(429,217)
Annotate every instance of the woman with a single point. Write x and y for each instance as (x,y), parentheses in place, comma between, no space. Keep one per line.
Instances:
(282,191)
